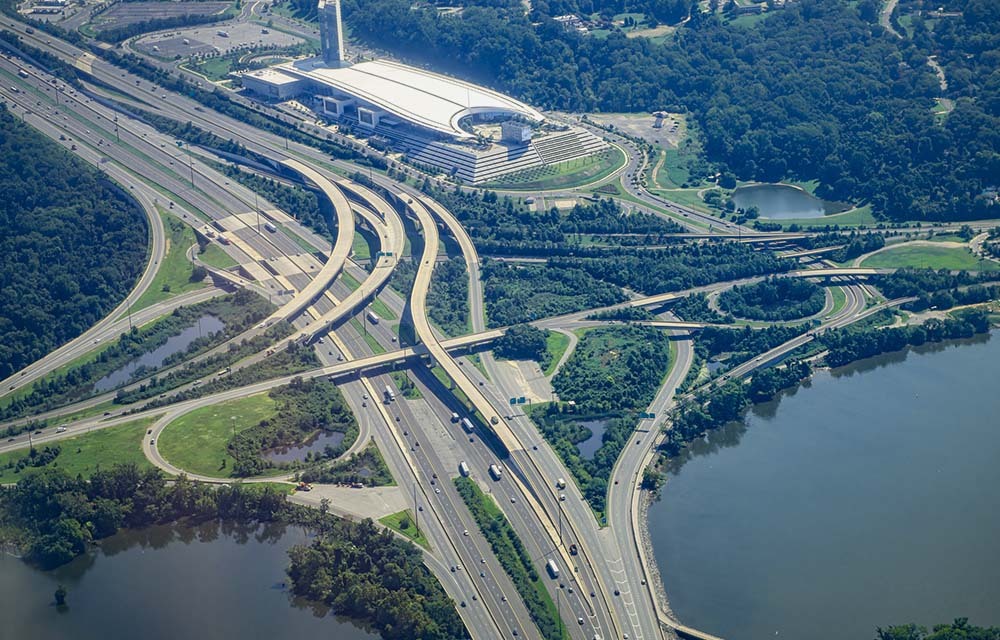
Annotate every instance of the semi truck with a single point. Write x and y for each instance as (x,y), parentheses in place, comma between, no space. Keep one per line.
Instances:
(467,425)
(552,568)
(495,471)
(463,469)
(389,395)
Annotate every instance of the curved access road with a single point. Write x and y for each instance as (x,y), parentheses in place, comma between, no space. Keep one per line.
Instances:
(341,249)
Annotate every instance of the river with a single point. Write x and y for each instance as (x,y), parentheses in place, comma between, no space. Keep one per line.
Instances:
(864,499)
(211,582)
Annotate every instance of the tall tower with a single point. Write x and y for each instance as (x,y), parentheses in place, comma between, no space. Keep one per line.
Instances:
(331,33)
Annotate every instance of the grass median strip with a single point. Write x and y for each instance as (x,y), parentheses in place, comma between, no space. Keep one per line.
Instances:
(404,524)
(513,558)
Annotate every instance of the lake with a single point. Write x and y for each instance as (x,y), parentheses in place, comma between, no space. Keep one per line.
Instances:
(316,444)
(867,498)
(203,326)
(212,582)
(779,201)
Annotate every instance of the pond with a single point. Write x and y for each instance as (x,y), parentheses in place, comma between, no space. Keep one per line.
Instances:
(213,581)
(316,443)
(590,446)
(202,327)
(779,201)
(864,499)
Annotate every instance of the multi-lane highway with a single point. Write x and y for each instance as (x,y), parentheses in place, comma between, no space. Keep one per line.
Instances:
(605,589)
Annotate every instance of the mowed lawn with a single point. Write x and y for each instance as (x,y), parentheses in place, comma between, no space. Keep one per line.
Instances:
(196,442)
(85,454)
(930,257)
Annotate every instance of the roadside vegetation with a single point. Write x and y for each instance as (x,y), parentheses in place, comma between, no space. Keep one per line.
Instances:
(239,311)
(175,274)
(294,358)
(366,467)
(695,308)
(676,268)
(404,524)
(448,297)
(361,571)
(82,455)
(525,342)
(73,245)
(939,290)
(774,299)
(513,557)
(612,376)
(521,293)
(507,226)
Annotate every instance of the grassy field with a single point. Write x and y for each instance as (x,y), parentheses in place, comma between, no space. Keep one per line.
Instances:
(216,257)
(851,218)
(85,454)
(556,343)
(196,442)
(361,249)
(396,520)
(565,175)
(215,69)
(930,257)
(839,299)
(174,274)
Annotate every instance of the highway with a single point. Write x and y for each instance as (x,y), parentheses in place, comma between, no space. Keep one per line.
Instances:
(606,589)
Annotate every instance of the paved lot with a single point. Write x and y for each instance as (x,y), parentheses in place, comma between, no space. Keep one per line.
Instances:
(374,502)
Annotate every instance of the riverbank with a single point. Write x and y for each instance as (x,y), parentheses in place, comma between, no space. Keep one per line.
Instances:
(753,537)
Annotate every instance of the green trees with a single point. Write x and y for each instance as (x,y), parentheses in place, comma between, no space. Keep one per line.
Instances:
(613,374)
(304,407)
(774,299)
(523,342)
(960,629)
(814,91)
(72,247)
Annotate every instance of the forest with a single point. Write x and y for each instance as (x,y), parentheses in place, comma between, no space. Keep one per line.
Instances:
(73,245)
(817,90)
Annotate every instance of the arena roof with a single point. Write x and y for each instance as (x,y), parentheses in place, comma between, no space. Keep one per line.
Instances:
(428,99)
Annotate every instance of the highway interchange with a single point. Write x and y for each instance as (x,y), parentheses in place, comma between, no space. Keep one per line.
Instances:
(605,590)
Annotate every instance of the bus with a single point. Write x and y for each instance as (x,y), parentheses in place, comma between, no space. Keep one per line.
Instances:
(372,318)
(553,569)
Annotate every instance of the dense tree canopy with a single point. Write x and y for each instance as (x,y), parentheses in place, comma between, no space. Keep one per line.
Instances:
(73,245)
(816,90)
